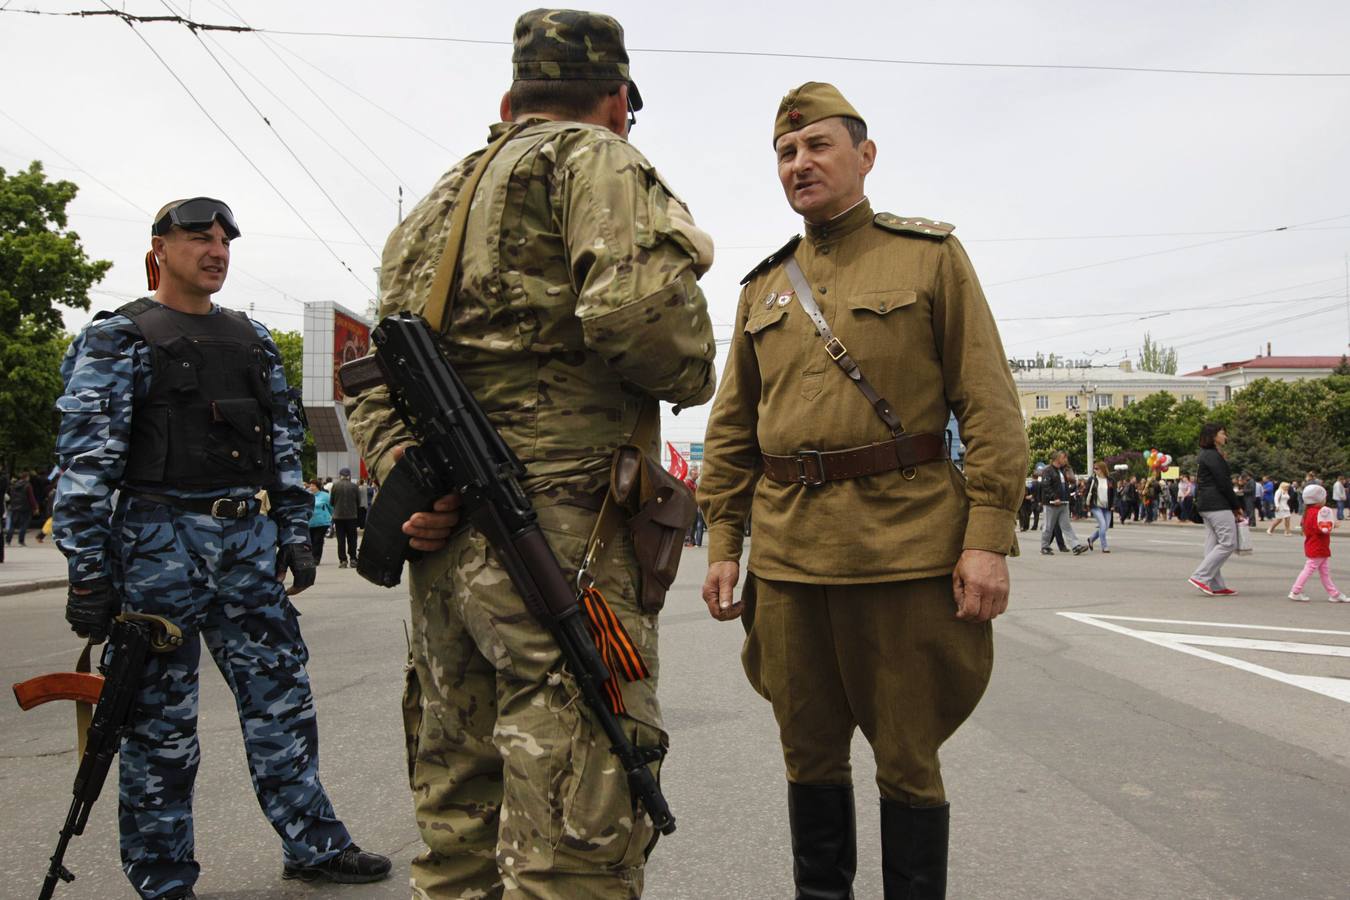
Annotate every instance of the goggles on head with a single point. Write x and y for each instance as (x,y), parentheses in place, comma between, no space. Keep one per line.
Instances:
(197,214)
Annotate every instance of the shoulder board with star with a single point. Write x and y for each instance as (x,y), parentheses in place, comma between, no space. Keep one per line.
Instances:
(774,258)
(913,225)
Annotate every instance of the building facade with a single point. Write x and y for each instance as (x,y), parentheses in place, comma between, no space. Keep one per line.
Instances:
(1231,377)
(1053,390)
(333,335)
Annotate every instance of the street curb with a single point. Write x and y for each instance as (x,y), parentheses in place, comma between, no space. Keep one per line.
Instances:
(23,587)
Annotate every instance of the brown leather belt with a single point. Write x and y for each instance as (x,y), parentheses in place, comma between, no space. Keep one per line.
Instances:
(815,467)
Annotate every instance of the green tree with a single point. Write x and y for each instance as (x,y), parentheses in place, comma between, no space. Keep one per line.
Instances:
(1155,357)
(1058,432)
(42,267)
(291,344)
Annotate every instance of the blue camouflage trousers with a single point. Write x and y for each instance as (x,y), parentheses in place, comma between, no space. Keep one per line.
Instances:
(215,578)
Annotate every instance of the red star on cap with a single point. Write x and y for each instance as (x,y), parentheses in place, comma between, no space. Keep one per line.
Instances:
(794,115)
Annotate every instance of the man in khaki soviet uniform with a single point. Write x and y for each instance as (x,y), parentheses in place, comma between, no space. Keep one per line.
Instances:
(876,565)
(578,305)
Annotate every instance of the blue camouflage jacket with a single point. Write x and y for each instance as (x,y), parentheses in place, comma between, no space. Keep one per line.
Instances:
(106,371)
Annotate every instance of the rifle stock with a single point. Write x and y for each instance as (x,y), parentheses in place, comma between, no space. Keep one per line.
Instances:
(82,687)
(460,451)
(132,638)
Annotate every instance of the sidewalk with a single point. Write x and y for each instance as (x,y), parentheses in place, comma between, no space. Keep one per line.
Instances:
(34,567)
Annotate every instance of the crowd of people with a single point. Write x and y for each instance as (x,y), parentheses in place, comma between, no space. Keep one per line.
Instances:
(1224,503)
(25,505)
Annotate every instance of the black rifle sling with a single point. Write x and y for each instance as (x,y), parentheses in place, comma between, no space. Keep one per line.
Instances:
(837,351)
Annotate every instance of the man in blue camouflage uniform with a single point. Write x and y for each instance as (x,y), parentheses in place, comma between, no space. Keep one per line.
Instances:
(176,413)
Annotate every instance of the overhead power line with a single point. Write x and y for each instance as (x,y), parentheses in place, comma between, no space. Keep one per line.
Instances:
(356,135)
(384,195)
(277,134)
(1120,259)
(1148,314)
(235,144)
(770,54)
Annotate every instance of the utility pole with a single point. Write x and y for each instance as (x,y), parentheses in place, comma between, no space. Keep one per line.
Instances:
(1089,392)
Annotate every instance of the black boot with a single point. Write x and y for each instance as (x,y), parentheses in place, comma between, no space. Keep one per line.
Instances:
(914,850)
(824,840)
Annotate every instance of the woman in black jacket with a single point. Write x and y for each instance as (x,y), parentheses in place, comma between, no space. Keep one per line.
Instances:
(1101,499)
(1220,508)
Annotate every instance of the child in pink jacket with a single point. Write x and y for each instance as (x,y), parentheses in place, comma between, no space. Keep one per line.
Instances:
(1318,521)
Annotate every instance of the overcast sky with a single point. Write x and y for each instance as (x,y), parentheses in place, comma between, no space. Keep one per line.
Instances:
(1096,204)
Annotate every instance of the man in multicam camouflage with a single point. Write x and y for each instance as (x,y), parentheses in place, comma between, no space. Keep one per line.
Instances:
(578,306)
(175,415)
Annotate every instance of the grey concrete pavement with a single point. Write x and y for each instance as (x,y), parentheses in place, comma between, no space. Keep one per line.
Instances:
(31,567)
(1108,760)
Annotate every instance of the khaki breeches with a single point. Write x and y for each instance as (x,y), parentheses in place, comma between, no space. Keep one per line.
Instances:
(891,659)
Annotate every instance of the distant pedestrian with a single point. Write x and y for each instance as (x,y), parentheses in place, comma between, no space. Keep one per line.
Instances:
(346,500)
(1101,496)
(1282,511)
(23,505)
(1057,485)
(1338,494)
(320,520)
(1186,494)
(1219,506)
(1318,522)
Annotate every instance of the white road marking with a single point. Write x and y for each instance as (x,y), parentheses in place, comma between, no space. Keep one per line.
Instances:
(1336,688)
(1213,624)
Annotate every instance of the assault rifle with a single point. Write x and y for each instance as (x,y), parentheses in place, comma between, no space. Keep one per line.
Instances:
(132,638)
(459,451)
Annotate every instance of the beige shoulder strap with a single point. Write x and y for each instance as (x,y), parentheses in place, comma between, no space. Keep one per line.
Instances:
(437,311)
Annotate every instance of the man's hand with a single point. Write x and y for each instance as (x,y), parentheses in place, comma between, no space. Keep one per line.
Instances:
(980,585)
(90,608)
(719,590)
(299,559)
(430,531)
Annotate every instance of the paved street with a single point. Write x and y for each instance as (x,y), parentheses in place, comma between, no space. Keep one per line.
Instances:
(1139,740)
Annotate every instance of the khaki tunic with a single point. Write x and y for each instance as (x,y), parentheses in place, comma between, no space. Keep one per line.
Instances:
(909,308)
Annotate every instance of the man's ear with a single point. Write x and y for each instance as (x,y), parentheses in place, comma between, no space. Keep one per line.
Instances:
(868,150)
(506,107)
(615,111)
(157,247)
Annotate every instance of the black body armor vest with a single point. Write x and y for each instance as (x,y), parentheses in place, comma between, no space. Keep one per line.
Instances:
(206,421)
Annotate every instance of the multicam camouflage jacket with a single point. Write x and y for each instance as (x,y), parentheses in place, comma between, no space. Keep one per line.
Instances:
(106,371)
(578,301)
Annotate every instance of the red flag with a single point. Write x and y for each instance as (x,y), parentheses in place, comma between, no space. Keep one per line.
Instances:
(678,466)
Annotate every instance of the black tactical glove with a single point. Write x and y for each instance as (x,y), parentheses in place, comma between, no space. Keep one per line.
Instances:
(90,607)
(300,560)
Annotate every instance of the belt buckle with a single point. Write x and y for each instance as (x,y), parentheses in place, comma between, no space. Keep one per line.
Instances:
(800,458)
(227,508)
(829,348)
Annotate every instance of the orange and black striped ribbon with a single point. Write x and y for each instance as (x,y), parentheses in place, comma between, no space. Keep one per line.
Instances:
(616,648)
(151,270)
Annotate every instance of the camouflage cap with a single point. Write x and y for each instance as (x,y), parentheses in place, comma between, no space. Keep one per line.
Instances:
(809,103)
(571,44)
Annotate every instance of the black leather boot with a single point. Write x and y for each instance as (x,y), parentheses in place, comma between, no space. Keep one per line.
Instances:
(914,850)
(824,840)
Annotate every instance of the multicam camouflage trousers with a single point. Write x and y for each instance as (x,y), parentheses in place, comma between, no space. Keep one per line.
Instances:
(516,792)
(215,578)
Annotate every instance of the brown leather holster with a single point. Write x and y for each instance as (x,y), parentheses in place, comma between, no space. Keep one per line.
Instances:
(659,509)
